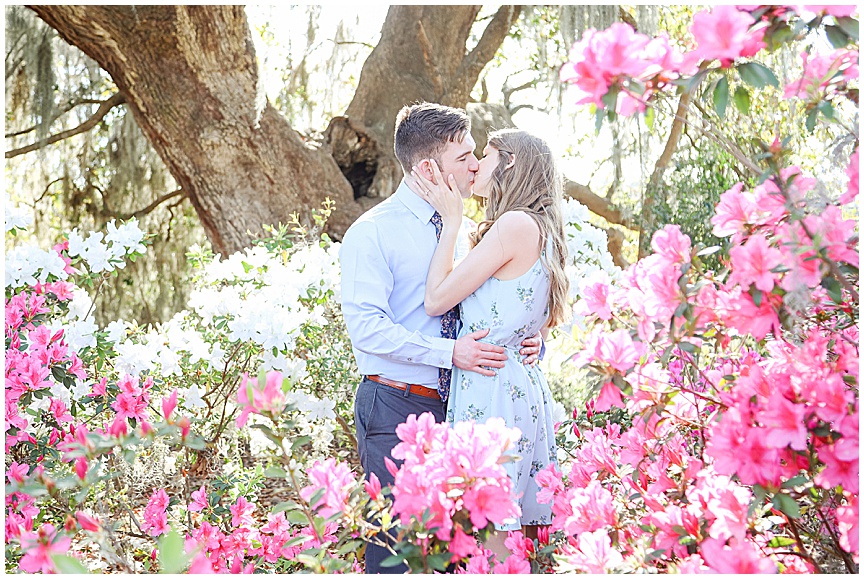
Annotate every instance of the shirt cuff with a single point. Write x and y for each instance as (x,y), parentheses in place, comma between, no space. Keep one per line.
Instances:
(441,354)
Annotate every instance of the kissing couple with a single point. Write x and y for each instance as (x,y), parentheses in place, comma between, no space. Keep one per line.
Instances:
(438,327)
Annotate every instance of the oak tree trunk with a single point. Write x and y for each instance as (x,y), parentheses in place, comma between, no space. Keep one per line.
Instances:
(190,79)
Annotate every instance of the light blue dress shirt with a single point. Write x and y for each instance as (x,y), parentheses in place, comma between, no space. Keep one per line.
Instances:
(385,258)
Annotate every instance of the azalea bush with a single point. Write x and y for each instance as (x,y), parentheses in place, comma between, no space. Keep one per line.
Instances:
(723,434)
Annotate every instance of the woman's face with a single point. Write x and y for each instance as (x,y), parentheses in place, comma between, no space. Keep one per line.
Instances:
(483,177)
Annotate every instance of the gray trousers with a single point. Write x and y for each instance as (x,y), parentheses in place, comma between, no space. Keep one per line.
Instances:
(378,410)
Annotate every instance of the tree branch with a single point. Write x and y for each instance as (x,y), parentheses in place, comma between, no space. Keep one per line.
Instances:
(596,204)
(647,222)
(103,109)
(489,43)
(731,147)
(62,112)
(149,209)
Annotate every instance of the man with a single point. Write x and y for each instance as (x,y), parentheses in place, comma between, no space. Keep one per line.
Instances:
(385,258)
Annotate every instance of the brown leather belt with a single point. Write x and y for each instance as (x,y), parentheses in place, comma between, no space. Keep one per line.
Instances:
(411,388)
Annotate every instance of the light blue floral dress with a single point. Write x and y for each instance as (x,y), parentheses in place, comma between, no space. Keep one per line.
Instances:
(512,310)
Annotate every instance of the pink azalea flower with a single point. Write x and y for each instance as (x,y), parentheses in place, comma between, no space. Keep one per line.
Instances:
(512,565)
(748,318)
(39,547)
(841,465)
(593,553)
(201,565)
(822,70)
(808,11)
(753,262)
(733,212)
(131,406)
(100,388)
(155,517)
(743,557)
(595,300)
(847,523)
(477,564)
(336,479)
(724,33)
(784,420)
(592,509)
(610,395)
(18,472)
(199,500)
(550,482)
(671,244)
(617,350)
(255,399)
(462,545)
(692,565)
(488,502)
(241,513)
(60,412)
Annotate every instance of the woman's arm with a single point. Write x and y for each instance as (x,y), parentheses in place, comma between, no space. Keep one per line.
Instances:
(506,239)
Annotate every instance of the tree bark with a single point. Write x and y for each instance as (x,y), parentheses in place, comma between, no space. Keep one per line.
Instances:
(422,56)
(191,81)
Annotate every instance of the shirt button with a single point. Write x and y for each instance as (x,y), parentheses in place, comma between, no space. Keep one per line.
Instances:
(410,359)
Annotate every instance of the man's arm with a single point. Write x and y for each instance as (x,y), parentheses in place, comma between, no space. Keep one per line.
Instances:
(366,286)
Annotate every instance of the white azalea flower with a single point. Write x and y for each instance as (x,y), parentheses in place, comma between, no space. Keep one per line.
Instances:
(14,216)
(116,331)
(81,334)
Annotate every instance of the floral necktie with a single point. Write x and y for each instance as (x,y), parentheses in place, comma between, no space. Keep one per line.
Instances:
(448,325)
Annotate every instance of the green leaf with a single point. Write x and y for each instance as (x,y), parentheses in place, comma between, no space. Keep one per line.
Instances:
(687,347)
(68,565)
(795,481)
(836,36)
(393,560)
(757,75)
(610,99)
(283,507)
(742,100)
(439,562)
(786,505)
(275,472)
(721,97)
(810,122)
(826,109)
(776,542)
(849,25)
(296,517)
(834,289)
(172,556)
(649,117)
(757,297)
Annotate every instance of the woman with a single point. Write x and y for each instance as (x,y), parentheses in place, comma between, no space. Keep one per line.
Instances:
(513,282)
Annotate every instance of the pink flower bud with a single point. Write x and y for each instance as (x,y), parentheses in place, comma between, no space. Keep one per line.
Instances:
(184,425)
(373,486)
(81,467)
(169,404)
(69,524)
(87,522)
(146,428)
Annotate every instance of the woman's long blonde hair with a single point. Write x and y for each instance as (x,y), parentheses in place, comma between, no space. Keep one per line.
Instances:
(533,185)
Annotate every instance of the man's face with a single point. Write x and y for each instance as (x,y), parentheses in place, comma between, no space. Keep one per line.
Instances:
(458,159)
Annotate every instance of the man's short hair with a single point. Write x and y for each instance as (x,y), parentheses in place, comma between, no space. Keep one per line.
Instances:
(424,129)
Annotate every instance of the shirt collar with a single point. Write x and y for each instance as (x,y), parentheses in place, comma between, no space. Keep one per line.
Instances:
(420,208)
